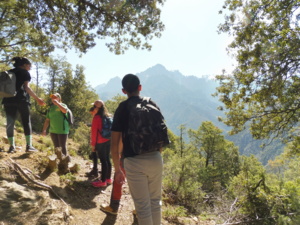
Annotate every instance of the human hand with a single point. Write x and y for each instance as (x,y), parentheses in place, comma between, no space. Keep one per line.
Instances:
(44,132)
(119,177)
(40,102)
(93,149)
(54,101)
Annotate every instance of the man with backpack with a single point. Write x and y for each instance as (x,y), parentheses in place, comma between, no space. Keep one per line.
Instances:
(138,127)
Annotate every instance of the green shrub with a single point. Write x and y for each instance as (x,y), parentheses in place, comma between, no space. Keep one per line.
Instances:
(172,212)
(37,121)
(68,178)
(82,136)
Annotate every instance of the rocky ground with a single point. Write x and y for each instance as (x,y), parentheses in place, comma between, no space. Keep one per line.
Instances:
(70,200)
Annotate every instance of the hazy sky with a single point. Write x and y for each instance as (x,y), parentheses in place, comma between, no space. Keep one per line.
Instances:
(189,44)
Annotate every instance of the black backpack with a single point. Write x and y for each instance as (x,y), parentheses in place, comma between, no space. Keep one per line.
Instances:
(147,131)
(106,127)
(7,84)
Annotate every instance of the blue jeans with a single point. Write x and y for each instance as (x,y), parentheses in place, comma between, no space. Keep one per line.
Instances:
(144,177)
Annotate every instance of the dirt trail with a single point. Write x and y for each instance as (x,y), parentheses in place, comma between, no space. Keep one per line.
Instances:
(82,199)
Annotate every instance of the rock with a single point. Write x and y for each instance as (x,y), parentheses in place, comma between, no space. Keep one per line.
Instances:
(29,206)
(5,140)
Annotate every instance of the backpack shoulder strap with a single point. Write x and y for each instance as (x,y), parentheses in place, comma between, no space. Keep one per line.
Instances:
(146,99)
(147,102)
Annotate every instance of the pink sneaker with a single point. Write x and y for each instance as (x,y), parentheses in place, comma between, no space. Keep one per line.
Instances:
(99,184)
(109,181)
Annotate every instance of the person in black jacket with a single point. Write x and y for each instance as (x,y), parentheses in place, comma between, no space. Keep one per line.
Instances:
(143,171)
(20,103)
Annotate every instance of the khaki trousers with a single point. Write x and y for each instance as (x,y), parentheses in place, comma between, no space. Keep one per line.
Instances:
(144,177)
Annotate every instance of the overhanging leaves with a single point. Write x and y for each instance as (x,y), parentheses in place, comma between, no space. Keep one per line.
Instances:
(264,87)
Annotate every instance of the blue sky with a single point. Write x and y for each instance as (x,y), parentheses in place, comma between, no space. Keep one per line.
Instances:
(189,44)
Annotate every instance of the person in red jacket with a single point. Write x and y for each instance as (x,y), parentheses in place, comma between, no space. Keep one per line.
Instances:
(93,156)
(101,145)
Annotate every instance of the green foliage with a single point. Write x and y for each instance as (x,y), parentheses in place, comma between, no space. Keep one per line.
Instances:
(72,151)
(68,178)
(203,166)
(112,104)
(78,95)
(82,136)
(73,88)
(37,121)
(172,212)
(266,198)
(208,176)
(19,137)
(294,147)
(58,69)
(263,89)
(46,144)
(35,27)
(169,151)
(181,180)
(220,157)
(249,186)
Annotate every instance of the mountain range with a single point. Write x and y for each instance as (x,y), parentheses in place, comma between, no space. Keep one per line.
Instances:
(182,99)
(188,100)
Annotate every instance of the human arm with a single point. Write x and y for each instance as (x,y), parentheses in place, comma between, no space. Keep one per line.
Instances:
(116,147)
(46,125)
(62,107)
(32,94)
(94,131)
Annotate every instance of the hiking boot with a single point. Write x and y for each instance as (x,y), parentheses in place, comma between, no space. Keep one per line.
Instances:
(109,181)
(108,209)
(99,183)
(92,173)
(30,149)
(11,149)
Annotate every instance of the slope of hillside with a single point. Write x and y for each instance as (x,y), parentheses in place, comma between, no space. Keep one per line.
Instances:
(73,201)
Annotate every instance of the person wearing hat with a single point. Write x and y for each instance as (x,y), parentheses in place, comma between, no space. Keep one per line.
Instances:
(101,145)
(20,103)
(59,126)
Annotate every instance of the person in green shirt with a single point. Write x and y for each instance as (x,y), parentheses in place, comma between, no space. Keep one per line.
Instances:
(59,126)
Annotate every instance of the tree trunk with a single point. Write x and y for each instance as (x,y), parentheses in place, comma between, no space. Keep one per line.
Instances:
(52,164)
(74,168)
(63,166)
(59,153)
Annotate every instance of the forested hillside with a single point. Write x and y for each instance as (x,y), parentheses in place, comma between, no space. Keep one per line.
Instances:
(183,99)
(188,101)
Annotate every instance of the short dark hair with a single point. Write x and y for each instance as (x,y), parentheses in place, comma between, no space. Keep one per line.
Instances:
(20,61)
(92,109)
(130,83)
